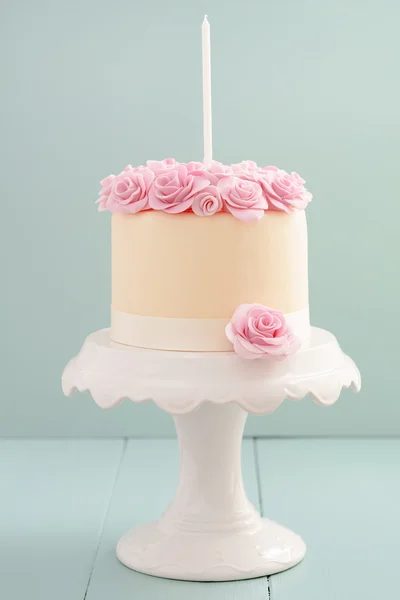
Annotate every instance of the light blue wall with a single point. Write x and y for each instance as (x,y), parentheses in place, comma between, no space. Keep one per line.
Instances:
(90,85)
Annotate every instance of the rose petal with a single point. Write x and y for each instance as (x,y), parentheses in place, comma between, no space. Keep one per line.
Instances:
(249,215)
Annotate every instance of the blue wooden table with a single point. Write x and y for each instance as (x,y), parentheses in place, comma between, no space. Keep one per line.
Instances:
(65,503)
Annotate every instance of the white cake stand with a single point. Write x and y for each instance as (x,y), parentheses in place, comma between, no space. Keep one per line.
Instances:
(210,532)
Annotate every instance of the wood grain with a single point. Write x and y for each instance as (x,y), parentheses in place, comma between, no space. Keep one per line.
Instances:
(65,503)
(343,498)
(54,495)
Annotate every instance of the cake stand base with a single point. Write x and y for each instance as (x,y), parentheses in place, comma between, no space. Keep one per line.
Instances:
(269,548)
(211,531)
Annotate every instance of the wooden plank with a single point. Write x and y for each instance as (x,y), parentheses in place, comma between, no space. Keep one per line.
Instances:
(54,495)
(342,497)
(146,484)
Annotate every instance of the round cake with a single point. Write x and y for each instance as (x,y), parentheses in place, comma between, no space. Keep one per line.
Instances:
(208,259)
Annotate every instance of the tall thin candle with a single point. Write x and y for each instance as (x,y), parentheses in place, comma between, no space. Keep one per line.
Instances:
(207,124)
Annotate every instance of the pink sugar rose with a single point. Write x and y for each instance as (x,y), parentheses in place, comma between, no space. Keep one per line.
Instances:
(106,186)
(257,331)
(217,170)
(159,166)
(129,190)
(194,167)
(207,202)
(173,190)
(282,190)
(247,168)
(242,198)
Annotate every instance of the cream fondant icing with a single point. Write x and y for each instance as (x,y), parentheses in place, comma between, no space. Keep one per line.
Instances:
(186,266)
(192,335)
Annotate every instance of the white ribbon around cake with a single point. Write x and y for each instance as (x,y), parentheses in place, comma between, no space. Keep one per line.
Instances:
(186,335)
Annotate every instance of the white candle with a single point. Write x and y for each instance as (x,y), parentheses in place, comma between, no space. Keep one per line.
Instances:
(207,128)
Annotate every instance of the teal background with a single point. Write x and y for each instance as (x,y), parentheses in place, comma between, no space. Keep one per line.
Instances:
(89,86)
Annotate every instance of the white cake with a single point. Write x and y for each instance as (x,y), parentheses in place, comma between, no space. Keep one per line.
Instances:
(178,276)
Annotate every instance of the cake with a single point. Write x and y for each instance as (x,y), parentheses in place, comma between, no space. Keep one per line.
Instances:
(208,259)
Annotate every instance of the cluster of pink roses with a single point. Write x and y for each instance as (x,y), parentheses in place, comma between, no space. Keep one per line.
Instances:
(244,189)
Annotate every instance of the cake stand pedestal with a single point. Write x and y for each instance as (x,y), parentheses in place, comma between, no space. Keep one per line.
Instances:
(210,532)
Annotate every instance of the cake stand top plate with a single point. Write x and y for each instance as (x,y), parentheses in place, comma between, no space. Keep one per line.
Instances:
(178,382)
